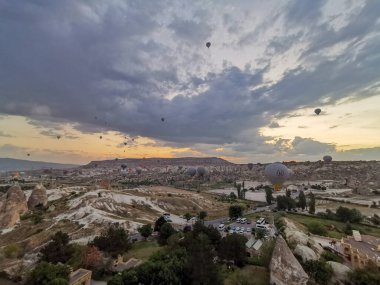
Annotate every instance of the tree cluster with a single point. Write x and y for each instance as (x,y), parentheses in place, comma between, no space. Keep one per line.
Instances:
(235,211)
(113,241)
(49,274)
(58,249)
(285,203)
(343,214)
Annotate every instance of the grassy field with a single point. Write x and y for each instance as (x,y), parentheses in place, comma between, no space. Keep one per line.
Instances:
(332,205)
(142,250)
(249,274)
(338,232)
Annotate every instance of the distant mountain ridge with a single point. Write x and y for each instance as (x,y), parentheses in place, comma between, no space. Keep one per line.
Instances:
(11,164)
(159,162)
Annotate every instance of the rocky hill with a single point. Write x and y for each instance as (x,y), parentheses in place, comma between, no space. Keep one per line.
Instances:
(160,162)
(11,164)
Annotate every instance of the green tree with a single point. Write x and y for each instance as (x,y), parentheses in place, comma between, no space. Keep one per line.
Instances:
(369,275)
(212,233)
(114,241)
(145,230)
(202,269)
(238,188)
(311,203)
(288,193)
(202,215)
(268,195)
(48,274)
(320,271)
(302,200)
(116,280)
(159,222)
(187,216)
(260,233)
(165,232)
(130,277)
(235,211)
(58,249)
(232,247)
(344,214)
(348,228)
(232,196)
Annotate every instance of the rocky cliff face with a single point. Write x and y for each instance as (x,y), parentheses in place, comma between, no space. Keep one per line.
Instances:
(38,197)
(12,205)
(284,267)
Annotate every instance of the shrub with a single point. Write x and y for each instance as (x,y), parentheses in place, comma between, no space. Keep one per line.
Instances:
(331,256)
(317,228)
(12,250)
(320,271)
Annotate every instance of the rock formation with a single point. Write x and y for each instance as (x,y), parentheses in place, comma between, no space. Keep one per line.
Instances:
(38,197)
(284,267)
(340,272)
(12,205)
(305,252)
(295,235)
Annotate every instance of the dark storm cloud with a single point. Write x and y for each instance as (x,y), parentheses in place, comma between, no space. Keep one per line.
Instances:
(69,61)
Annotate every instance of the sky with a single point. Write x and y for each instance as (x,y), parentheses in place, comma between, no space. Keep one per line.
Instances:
(85,69)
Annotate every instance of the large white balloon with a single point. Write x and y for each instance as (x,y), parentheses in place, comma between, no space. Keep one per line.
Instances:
(277,174)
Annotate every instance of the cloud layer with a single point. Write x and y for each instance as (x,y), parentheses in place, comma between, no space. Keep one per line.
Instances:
(130,63)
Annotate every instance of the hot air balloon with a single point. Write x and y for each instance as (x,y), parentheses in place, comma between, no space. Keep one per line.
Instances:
(28,154)
(58,137)
(123,166)
(327,158)
(277,173)
(317,111)
(201,171)
(191,171)
(100,137)
(208,44)
(250,166)
(180,167)
(162,119)
(125,143)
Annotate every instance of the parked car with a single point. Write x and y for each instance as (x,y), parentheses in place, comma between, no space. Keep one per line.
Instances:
(248,222)
(237,229)
(248,230)
(231,231)
(241,231)
(243,220)
(238,220)
(221,227)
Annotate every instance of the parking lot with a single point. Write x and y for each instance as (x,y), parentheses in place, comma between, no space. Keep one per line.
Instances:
(244,228)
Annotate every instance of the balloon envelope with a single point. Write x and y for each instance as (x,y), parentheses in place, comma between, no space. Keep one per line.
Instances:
(201,171)
(327,158)
(317,111)
(250,166)
(208,44)
(191,171)
(277,173)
